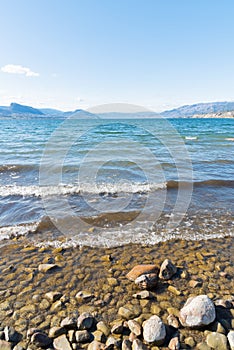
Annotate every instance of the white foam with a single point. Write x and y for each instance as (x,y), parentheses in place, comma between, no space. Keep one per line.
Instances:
(9,232)
(191,137)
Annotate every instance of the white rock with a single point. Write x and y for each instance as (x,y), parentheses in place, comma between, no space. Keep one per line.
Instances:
(197,311)
(154,330)
(230,337)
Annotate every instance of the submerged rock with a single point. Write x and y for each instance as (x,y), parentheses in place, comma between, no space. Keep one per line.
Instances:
(198,311)
(46,267)
(154,331)
(147,281)
(139,270)
(217,341)
(167,270)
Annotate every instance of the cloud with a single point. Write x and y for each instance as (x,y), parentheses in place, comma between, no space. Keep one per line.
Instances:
(18,69)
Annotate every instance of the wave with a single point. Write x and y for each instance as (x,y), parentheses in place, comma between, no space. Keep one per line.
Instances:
(17,167)
(107,188)
(191,138)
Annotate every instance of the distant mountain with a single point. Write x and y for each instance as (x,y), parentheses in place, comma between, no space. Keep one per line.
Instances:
(199,109)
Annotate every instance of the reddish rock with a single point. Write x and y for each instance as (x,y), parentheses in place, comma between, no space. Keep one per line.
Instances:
(139,270)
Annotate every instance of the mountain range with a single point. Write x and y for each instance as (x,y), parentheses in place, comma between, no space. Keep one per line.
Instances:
(211,109)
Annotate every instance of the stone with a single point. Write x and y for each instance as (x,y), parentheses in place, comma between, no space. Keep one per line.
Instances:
(112,281)
(117,327)
(139,270)
(61,343)
(69,323)
(173,321)
(84,295)
(167,270)
(173,290)
(197,312)
(225,303)
(5,345)
(144,294)
(112,341)
(101,326)
(53,296)
(147,281)
(230,337)
(217,341)
(134,327)
(12,335)
(190,341)
(174,343)
(31,331)
(46,267)
(154,331)
(40,339)
(126,313)
(194,283)
(82,336)
(126,345)
(85,321)
(203,346)
(96,345)
(56,306)
(138,345)
(55,332)
(99,336)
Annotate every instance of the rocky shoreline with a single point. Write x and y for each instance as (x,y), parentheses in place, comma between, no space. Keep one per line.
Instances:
(175,295)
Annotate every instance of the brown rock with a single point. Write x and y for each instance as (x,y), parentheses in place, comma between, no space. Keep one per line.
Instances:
(139,270)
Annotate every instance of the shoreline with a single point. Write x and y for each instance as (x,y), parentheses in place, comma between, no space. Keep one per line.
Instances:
(101,272)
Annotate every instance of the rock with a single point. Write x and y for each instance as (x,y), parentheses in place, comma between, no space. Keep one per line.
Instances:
(139,270)
(101,326)
(225,303)
(134,327)
(53,296)
(84,295)
(174,290)
(55,332)
(99,336)
(112,281)
(11,335)
(46,267)
(138,345)
(230,337)
(31,331)
(126,345)
(69,323)
(190,341)
(154,330)
(194,283)
(85,321)
(144,294)
(112,341)
(117,327)
(96,345)
(203,346)
(147,281)
(173,321)
(5,345)
(167,270)
(61,343)
(126,313)
(82,336)
(217,341)
(56,306)
(40,339)
(198,311)
(174,343)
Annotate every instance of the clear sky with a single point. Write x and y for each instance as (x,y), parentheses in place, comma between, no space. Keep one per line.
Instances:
(160,54)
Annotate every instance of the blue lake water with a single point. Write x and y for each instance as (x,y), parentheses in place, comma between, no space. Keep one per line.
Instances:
(111,182)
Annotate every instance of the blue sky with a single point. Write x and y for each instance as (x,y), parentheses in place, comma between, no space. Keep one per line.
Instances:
(80,53)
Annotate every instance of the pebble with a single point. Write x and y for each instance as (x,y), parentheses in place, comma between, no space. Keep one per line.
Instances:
(46,267)
(138,345)
(82,336)
(174,343)
(84,295)
(154,330)
(112,341)
(117,327)
(134,327)
(197,311)
(217,341)
(173,321)
(69,323)
(174,290)
(101,326)
(55,332)
(190,341)
(11,335)
(61,343)
(41,340)
(144,294)
(85,321)
(96,345)
(194,283)
(230,337)
(5,345)
(147,281)
(167,270)
(126,344)
(139,270)
(53,296)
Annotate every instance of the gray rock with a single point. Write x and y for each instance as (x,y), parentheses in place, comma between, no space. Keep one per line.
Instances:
(82,336)
(198,311)
(144,294)
(5,345)
(167,270)
(12,335)
(174,343)
(85,321)
(230,337)
(217,341)
(41,340)
(147,281)
(61,343)
(154,330)
(69,323)
(134,327)
(46,267)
